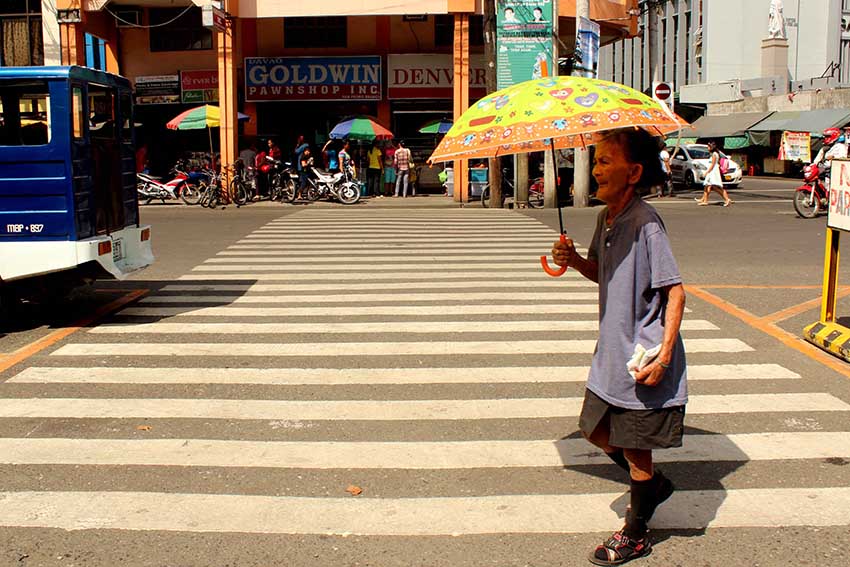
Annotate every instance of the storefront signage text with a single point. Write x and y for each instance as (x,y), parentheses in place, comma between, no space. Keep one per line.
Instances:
(199,86)
(313,78)
(796,146)
(430,76)
(158,89)
(524,41)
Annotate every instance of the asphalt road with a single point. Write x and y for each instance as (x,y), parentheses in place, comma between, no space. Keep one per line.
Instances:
(284,355)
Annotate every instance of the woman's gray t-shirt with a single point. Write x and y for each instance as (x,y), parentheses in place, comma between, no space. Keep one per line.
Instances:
(635,263)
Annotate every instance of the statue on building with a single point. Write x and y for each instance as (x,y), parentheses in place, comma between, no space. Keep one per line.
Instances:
(776,21)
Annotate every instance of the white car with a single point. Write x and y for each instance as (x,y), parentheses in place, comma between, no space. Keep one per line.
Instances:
(690,162)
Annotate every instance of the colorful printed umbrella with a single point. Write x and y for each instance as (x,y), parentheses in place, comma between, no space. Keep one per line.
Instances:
(360,128)
(437,127)
(206,116)
(559,112)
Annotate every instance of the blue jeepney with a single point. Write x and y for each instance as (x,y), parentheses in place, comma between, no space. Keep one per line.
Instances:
(68,206)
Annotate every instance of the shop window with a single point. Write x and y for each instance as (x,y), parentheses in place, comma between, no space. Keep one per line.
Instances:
(21,42)
(178,30)
(315,32)
(24,114)
(77,115)
(101,112)
(444,30)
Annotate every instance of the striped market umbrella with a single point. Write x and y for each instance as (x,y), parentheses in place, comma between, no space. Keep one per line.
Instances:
(360,128)
(437,127)
(207,116)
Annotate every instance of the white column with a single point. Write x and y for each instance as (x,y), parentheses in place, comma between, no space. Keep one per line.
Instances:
(50,33)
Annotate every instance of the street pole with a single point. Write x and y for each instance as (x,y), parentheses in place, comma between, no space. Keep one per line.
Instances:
(652,40)
(550,165)
(494,164)
(581,183)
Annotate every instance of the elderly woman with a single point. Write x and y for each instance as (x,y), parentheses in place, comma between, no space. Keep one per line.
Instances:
(633,403)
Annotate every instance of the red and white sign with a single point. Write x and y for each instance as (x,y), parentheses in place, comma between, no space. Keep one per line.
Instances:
(663,92)
(839,195)
(416,76)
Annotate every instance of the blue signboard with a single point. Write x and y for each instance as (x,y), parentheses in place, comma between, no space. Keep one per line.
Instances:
(313,78)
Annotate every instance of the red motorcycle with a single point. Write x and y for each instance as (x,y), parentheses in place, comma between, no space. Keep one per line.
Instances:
(811,197)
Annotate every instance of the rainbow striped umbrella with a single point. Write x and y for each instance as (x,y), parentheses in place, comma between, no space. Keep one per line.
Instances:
(437,127)
(360,128)
(206,116)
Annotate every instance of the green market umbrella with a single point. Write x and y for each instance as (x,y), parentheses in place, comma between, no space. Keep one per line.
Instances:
(360,128)
(437,127)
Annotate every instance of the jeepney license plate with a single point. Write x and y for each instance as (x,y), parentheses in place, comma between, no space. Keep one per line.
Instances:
(117,249)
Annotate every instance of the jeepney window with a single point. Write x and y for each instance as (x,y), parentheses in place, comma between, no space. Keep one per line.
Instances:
(126,107)
(101,112)
(77,113)
(24,114)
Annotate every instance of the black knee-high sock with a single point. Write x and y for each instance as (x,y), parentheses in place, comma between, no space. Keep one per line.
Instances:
(642,500)
(620,459)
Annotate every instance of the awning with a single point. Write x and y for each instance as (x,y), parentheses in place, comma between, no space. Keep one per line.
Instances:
(725,125)
(812,121)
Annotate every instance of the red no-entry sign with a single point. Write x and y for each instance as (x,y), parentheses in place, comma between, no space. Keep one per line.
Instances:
(663,91)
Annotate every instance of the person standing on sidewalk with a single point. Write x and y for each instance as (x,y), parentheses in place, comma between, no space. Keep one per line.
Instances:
(375,170)
(664,156)
(628,414)
(389,169)
(300,147)
(402,165)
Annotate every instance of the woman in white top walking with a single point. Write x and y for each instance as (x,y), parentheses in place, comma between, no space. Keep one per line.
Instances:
(713,179)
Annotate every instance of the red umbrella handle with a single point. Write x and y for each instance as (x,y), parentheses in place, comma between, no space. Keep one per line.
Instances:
(552,271)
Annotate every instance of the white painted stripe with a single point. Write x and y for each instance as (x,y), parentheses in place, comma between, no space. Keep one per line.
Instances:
(452,247)
(378,297)
(418,277)
(349,286)
(183,328)
(372,376)
(406,455)
(325,259)
(402,225)
(343,269)
(411,240)
(385,410)
(352,311)
(400,233)
(419,255)
(424,348)
(433,516)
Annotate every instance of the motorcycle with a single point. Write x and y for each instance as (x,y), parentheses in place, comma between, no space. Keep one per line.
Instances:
(339,185)
(811,197)
(184,185)
(282,178)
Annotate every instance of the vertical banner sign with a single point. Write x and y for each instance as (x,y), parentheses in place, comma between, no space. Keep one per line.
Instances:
(796,146)
(839,195)
(524,41)
(587,49)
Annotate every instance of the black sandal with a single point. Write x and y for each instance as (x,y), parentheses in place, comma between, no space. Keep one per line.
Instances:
(619,549)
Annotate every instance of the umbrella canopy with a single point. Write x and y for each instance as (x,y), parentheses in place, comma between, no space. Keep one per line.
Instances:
(206,116)
(360,128)
(564,112)
(437,127)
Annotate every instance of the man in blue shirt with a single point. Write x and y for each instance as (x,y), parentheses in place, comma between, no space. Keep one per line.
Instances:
(627,413)
(300,146)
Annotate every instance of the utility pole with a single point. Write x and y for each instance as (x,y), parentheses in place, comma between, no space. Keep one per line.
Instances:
(494,164)
(581,182)
(550,164)
(652,40)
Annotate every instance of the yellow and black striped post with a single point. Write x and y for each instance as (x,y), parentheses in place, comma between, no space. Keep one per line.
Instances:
(827,333)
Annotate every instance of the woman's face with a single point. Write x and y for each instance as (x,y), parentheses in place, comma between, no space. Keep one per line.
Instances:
(613,172)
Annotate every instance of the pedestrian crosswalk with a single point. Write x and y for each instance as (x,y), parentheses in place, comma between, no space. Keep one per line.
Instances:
(421,343)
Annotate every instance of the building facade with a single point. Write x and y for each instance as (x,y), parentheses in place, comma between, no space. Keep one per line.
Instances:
(407,61)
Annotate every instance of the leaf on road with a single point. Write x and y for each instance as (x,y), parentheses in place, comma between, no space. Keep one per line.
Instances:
(354,490)
(144,428)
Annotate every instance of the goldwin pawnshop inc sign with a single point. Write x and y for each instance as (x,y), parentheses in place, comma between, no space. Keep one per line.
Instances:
(313,78)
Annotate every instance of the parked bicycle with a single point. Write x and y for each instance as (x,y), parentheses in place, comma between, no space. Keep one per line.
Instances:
(535,191)
(239,188)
